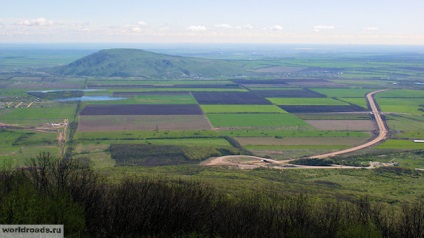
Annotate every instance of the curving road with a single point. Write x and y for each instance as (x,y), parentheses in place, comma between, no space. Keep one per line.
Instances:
(382,135)
(234,160)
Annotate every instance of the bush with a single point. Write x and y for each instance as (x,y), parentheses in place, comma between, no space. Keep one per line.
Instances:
(63,192)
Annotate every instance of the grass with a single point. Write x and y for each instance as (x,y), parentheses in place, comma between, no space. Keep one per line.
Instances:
(35,116)
(325,184)
(141,135)
(401,105)
(255,120)
(142,81)
(402,94)
(334,116)
(241,109)
(400,145)
(17,146)
(284,148)
(356,82)
(306,101)
(182,90)
(357,101)
(403,126)
(153,99)
(190,142)
(342,92)
(406,159)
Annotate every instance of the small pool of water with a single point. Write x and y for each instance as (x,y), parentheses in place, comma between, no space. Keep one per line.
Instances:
(90,98)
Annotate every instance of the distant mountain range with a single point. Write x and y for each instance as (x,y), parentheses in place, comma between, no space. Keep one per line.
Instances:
(140,63)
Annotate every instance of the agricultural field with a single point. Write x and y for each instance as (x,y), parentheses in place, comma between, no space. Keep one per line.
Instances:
(263,124)
(209,109)
(342,92)
(19,145)
(139,109)
(37,114)
(307,101)
(344,125)
(255,120)
(325,109)
(243,98)
(142,122)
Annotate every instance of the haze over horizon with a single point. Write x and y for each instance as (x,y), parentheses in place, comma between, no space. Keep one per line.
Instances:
(389,22)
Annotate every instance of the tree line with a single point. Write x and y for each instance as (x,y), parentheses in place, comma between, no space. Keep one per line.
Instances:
(51,191)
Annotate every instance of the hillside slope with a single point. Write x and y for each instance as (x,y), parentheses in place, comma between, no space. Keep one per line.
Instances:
(140,63)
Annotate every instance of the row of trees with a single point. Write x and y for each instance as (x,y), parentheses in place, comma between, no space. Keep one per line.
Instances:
(57,192)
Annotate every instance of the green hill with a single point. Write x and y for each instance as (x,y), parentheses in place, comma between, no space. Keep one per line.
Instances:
(140,63)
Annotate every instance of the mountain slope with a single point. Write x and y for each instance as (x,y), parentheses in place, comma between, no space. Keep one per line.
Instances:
(140,63)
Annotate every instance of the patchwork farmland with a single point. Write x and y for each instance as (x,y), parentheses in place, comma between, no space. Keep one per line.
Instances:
(247,108)
(252,109)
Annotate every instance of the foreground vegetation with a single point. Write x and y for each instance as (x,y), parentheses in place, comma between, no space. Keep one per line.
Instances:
(67,193)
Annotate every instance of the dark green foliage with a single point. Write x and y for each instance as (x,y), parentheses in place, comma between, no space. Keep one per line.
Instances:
(57,192)
(313,162)
(22,138)
(396,171)
(157,155)
(237,145)
(147,155)
(133,62)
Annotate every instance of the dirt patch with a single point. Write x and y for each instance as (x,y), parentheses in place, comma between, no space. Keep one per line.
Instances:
(341,125)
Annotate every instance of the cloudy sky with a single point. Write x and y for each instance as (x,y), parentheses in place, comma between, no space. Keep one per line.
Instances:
(213,21)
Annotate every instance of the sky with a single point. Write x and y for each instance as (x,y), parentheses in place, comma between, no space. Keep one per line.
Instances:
(213,21)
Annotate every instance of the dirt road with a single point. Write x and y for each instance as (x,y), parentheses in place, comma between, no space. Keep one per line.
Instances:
(382,134)
(249,162)
(253,162)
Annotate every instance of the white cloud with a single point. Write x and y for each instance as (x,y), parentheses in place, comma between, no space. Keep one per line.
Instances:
(142,23)
(227,26)
(248,26)
(370,28)
(35,22)
(136,29)
(319,28)
(196,28)
(276,28)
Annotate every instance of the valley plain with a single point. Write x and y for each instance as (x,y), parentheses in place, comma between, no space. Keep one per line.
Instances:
(169,115)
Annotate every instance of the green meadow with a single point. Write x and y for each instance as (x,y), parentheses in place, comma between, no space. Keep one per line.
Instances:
(209,109)
(307,101)
(255,120)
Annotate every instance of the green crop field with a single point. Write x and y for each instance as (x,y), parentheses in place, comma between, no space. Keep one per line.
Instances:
(357,101)
(400,145)
(255,120)
(401,105)
(35,116)
(241,109)
(152,99)
(18,146)
(404,126)
(182,90)
(342,92)
(402,94)
(306,101)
